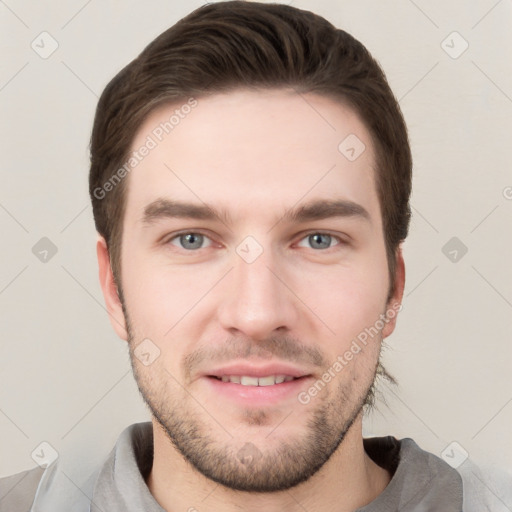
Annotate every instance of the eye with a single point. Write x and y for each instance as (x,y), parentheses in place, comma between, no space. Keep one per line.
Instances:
(190,241)
(320,241)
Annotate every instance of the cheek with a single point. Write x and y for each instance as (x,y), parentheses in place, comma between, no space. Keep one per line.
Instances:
(171,307)
(158,295)
(164,300)
(347,300)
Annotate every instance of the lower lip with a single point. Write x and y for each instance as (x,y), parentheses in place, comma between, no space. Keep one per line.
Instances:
(258,395)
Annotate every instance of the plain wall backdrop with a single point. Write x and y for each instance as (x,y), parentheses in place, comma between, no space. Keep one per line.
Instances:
(65,376)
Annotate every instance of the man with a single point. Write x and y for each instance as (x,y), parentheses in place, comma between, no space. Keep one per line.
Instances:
(250,178)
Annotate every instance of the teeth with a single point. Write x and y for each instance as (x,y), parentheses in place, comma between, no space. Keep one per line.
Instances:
(246,380)
(249,381)
(266,381)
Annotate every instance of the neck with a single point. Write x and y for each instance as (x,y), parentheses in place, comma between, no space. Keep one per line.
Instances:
(347,481)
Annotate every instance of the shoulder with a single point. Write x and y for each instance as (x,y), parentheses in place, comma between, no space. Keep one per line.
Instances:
(17,491)
(486,486)
(420,480)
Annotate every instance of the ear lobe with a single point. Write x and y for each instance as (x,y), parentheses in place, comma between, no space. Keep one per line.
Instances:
(109,288)
(394,304)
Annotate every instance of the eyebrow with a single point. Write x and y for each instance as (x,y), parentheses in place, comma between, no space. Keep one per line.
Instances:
(316,210)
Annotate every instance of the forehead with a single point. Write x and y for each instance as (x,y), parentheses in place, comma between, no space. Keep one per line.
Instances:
(251,151)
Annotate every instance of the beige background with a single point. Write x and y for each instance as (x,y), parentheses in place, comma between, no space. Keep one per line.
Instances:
(65,377)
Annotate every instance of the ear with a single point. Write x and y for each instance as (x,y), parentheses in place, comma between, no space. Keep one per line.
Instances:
(394,304)
(109,288)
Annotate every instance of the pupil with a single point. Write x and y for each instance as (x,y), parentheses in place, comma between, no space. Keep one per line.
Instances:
(320,240)
(191,241)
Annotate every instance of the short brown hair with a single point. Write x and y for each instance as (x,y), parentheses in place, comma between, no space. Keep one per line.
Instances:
(240,44)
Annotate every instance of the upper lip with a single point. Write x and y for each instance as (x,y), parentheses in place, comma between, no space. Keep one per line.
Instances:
(254,370)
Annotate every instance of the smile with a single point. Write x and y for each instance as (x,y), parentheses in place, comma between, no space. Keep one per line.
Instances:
(246,380)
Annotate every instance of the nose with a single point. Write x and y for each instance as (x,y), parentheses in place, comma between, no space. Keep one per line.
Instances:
(258,301)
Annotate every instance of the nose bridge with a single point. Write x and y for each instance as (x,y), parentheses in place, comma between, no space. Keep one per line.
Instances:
(255,280)
(257,302)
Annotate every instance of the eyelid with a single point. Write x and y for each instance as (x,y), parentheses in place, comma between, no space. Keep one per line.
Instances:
(166,240)
(342,240)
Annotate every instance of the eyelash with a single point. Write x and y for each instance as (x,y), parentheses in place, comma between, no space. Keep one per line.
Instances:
(340,240)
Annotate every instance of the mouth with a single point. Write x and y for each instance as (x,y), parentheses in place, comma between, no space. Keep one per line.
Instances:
(248,380)
(247,384)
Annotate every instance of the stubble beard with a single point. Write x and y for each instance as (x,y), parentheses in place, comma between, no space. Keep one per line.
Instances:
(239,464)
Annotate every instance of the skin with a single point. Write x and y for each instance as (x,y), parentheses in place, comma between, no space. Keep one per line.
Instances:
(255,154)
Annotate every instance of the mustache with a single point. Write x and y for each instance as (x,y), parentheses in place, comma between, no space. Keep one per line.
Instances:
(285,348)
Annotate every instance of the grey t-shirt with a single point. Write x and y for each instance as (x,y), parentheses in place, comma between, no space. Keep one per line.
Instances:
(421,482)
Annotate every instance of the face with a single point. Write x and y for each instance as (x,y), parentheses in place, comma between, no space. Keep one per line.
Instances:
(253,258)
